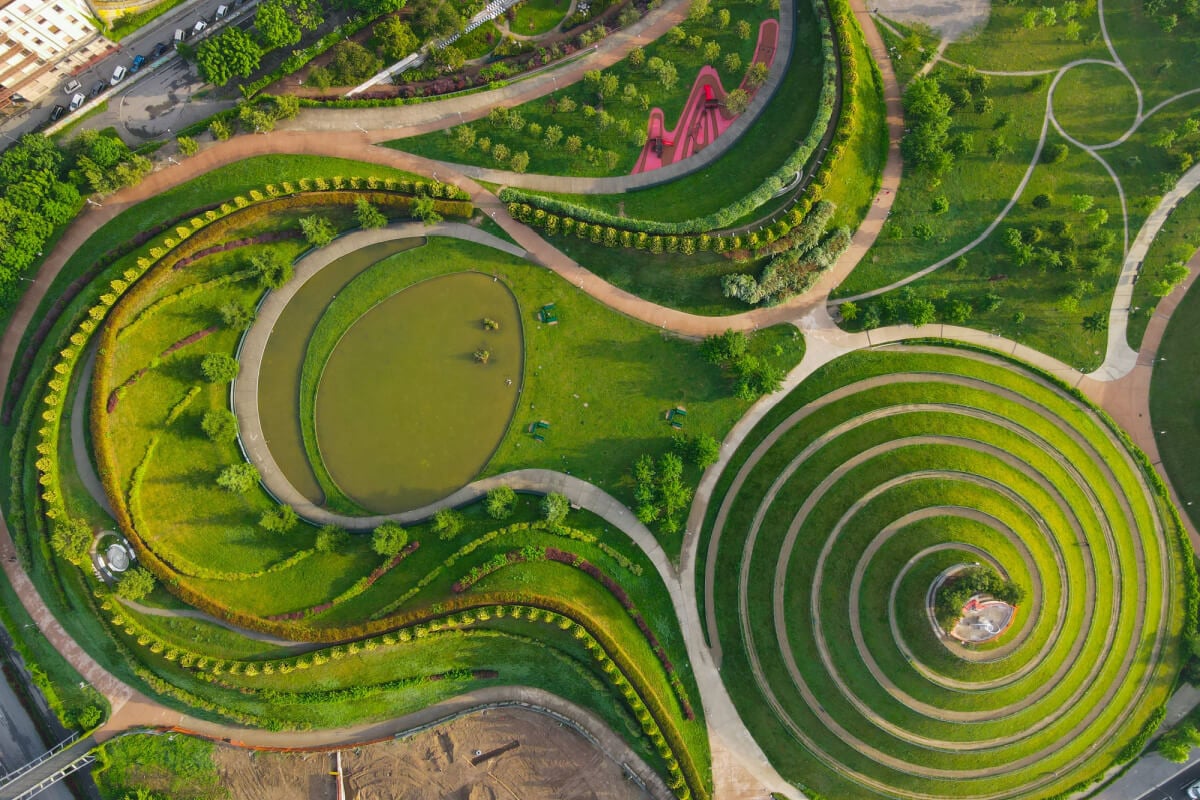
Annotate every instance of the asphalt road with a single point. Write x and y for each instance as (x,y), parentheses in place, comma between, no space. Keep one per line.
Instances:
(1176,787)
(19,740)
(154,104)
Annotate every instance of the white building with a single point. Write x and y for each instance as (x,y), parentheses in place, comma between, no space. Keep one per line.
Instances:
(43,43)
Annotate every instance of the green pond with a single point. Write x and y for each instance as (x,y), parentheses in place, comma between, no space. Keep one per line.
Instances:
(279,378)
(405,413)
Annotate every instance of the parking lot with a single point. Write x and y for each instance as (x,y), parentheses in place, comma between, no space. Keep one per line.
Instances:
(152,101)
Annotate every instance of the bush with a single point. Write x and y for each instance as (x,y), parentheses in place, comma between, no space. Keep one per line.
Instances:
(555,507)
(331,538)
(281,520)
(219,367)
(220,425)
(236,316)
(368,216)
(239,478)
(447,523)
(500,502)
(703,450)
(135,584)
(318,231)
(72,539)
(389,539)
(273,269)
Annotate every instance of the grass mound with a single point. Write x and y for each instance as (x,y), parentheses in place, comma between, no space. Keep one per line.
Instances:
(839,513)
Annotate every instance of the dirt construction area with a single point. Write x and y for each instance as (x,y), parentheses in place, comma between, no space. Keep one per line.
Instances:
(473,758)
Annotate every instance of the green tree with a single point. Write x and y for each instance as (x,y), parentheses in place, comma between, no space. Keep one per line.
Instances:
(220,425)
(743,29)
(555,506)
(1096,323)
(519,161)
(281,23)
(737,101)
(331,539)
(351,63)
(723,17)
(450,58)
(219,367)
(1082,203)
(501,502)
(732,63)
(703,450)
(927,112)
(72,539)
(239,478)
(135,584)
(230,53)
(187,145)
(756,74)
(274,270)
(220,130)
(389,539)
(368,216)
(281,520)
(395,39)
(849,311)
(699,10)
(424,209)
(236,315)
(318,231)
(447,523)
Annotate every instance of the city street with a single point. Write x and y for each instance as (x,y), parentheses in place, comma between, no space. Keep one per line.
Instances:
(143,106)
(1176,787)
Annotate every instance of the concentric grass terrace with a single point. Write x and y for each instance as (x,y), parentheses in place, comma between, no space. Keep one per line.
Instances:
(884,468)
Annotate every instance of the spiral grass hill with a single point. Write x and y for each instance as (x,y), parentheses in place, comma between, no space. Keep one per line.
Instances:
(838,514)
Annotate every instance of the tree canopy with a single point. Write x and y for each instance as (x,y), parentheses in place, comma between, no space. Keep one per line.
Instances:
(231,53)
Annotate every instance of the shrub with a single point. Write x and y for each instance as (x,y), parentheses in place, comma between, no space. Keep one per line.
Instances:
(331,538)
(238,478)
(500,502)
(368,216)
(281,520)
(555,507)
(220,425)
(318,231)
(447,523)
(219,367)
(389,539)
(136,584)
(72,539)
(273,269)
(236,315)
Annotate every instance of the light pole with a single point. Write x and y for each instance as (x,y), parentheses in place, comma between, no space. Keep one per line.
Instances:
(92,202)
(360,127)
(173,161)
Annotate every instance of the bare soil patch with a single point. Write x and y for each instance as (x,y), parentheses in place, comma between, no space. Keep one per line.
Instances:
(953,19)
(551,762)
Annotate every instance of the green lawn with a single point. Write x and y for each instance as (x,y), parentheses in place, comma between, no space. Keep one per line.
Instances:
(1095,103)
(538,16)
(1051,491)
(1173,392)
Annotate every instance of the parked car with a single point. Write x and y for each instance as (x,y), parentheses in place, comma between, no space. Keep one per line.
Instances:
(76,102)
(158,50)
(57,112)
(199,26)
(179,36)
(137,63)
(98,88)
(119,75)
(221,12)
(72,87)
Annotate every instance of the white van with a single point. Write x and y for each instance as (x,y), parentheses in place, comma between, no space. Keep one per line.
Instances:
(179,35)
(118,75)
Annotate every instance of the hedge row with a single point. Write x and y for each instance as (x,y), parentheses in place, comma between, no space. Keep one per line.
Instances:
(534,553)
(599,223)
(457,614)
(554,528)
(362,691)
(359,586)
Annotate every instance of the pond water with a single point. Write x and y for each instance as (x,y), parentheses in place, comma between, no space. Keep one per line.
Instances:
(279,378)
(405,412)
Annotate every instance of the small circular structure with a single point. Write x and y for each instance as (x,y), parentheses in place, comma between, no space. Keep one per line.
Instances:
(118,557)
(983,619)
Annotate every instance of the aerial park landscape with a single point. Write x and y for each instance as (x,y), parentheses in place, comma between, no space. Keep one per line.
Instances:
(762,398)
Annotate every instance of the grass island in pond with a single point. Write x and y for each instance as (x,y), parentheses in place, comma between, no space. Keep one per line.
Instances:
(409,408)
